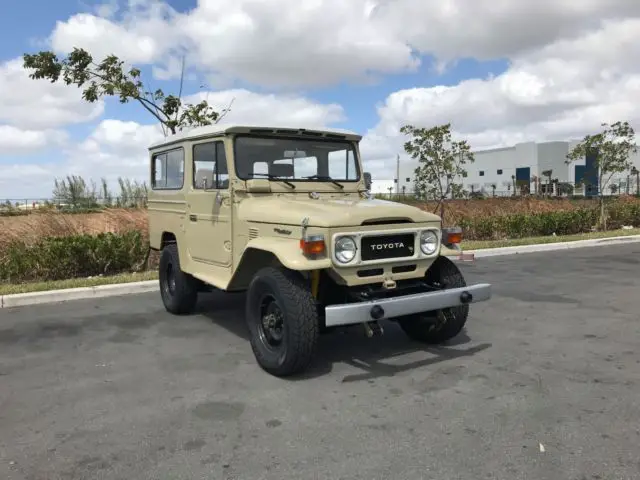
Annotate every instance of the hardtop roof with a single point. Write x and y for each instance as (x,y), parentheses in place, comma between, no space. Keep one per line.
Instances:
(213,130)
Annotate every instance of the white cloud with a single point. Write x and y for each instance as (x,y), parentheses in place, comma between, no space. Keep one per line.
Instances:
(313,42)
(16,141)
(143,35)
(296,43)
(562,90)
(299,42)
(262,109)
(486,30)
(40,104)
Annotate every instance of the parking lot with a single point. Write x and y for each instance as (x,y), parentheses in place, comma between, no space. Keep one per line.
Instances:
(544,384)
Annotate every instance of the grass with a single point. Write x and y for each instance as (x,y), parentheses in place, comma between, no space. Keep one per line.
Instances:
(479,244)
(8,289)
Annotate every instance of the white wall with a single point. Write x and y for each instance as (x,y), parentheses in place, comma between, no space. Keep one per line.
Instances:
(621,179)
(382,186)
(552,156)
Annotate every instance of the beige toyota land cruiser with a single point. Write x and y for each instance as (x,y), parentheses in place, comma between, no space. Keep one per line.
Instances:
(285,214)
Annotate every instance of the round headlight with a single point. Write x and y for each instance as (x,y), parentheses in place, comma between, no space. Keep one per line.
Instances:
(428,242)
(345,249)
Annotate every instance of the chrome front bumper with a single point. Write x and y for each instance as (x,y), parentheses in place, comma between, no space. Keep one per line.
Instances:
(360,312)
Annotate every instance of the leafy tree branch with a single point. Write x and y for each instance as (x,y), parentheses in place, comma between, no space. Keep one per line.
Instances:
(110,77)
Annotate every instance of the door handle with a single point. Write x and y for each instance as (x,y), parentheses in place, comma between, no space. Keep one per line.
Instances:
(193,218)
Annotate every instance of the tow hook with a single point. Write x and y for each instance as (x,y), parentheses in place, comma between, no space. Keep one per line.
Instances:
(373,329)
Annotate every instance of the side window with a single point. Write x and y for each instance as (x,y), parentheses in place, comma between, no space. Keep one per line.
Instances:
(222,180)
(168,170)
(210,166)
(159,174)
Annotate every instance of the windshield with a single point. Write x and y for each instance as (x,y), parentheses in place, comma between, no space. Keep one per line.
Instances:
(293,159)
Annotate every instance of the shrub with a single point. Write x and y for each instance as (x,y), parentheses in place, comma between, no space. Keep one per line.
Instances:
(529,225)
(560,222)
(56,258)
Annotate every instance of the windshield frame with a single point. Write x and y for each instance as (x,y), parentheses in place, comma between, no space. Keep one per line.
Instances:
(349,144)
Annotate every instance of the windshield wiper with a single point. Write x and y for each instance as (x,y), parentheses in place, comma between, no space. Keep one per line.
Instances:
(326,179)
(274,177)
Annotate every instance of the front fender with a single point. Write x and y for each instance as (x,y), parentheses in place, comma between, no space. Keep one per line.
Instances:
(287,251)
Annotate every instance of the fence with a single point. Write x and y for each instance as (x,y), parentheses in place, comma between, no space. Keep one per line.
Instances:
(21,205)
(562,190)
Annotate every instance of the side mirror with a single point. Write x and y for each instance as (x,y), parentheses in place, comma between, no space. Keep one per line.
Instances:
(367,180)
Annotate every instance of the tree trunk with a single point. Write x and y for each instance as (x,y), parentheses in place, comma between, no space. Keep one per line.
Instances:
(603,218)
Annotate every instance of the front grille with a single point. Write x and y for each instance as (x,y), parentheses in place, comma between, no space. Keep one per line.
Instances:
(382,247)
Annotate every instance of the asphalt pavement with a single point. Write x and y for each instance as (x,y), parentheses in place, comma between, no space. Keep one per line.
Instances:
(544,384)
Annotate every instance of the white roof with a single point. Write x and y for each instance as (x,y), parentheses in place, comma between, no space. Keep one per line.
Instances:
(211,130)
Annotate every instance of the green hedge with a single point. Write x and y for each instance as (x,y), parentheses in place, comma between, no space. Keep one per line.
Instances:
(57,258)
(569,222)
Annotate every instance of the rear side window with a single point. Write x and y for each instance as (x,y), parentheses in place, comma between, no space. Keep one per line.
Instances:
(168,170)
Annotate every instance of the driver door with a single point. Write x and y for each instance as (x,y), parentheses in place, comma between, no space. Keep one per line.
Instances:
(209,206)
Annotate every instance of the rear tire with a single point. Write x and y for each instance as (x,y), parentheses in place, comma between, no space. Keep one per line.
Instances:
(282,318)
(179,290)
(438,326)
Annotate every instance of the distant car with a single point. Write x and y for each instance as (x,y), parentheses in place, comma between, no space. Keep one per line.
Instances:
(286,215)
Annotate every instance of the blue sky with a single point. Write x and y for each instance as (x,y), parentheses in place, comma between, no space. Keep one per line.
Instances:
(303,62)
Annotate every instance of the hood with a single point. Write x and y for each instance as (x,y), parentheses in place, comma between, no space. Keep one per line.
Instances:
(328,212)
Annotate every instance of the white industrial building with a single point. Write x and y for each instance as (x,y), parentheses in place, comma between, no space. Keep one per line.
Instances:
(521,164)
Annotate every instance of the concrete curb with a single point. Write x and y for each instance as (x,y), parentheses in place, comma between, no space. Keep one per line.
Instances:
(545,247)
(55,296)
(67,294)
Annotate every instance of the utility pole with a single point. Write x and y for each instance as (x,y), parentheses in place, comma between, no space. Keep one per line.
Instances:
(398,174)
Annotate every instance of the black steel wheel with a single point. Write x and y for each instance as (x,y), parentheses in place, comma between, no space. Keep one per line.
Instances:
(282,318)
(179,291)
(442,325)
(271,326)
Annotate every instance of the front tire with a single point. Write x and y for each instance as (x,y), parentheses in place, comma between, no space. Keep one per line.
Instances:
(282,318)
(438,326)
(179,290)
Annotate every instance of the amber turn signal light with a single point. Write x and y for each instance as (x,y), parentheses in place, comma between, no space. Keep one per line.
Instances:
(451,236)
(313,245)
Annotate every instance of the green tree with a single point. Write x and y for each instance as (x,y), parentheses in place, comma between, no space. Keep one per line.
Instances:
(441,162)
(612,149)
(75,192)
(110,77)
(133,194)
